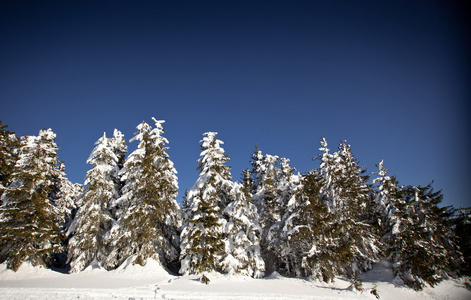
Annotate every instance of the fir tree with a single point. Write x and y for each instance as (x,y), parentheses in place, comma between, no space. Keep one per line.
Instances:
(30,221)
(346,193)
(243,235)
(266,197)
(462,229)
(8,156)
(150,217)
(388,195)
(93,221)
(203,245)
(419,248)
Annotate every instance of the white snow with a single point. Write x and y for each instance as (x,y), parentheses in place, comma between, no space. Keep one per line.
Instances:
(152,282)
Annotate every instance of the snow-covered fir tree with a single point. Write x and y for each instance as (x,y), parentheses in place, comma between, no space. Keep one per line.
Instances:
(387,198)
(306,240)
(30,222)
(202,237)
(462,230)
(8,156)
(243,255)
(419,247)
(120,149)
(65,194)
(149,217)
(266,197)
(345,191)
(93,221)
(289,186)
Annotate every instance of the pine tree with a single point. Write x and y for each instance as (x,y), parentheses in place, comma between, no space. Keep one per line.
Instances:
(8,156)
(30,221)
(419,248)
(243,234)
(150,217)
(93,221)
(203,245)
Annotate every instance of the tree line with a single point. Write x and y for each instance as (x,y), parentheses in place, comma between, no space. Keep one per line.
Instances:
(329,222)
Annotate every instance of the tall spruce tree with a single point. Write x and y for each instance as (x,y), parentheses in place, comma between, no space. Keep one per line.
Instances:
(93,221)
(29,219)
(149,215)
(203,245)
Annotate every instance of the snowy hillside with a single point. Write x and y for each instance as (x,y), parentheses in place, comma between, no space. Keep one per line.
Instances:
(152,282)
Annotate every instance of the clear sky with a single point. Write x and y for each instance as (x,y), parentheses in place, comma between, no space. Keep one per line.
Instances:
(390,77)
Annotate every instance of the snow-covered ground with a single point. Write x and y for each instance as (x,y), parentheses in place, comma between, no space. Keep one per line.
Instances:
(152,282)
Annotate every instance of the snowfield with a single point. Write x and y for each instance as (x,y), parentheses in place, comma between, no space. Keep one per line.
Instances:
(153,282)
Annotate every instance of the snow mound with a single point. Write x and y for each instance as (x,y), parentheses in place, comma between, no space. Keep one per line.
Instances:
(25,271)
(152,269)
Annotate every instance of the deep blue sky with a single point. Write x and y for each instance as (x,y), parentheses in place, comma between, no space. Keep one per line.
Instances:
(390,77)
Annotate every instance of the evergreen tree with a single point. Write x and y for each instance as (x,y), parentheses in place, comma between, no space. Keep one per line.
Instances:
(266,197)
(346,193)
(288,188)
(93,221)
(419,248)
(308,237)
(149,217)
(65,194)
(387,197)
(203,245)
(120,149)
(29,219)
(8,156)
(462,230)
(243,234)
